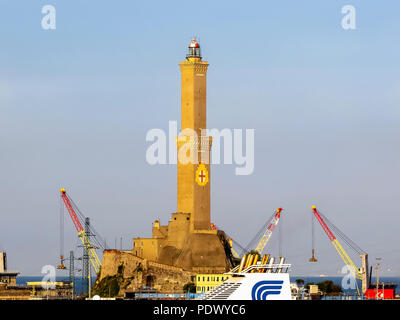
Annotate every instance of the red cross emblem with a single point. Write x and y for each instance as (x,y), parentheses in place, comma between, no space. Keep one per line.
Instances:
(201,175)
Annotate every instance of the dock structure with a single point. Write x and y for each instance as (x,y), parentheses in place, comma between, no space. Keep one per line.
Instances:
(7,277)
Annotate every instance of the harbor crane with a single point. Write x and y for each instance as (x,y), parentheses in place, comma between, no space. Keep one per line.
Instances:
(78,220)
(265,233)
(329,227)
(268,232)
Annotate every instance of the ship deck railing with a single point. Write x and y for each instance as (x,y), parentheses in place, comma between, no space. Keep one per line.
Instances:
(265,268)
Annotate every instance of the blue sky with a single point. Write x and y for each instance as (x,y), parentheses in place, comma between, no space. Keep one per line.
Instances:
(76,103)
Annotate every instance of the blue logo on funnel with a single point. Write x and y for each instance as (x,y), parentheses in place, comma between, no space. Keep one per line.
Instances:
(262,289)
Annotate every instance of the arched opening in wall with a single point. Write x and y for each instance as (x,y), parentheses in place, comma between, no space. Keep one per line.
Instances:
(150,281)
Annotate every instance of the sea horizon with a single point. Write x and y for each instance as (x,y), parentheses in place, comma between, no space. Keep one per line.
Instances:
(337,280)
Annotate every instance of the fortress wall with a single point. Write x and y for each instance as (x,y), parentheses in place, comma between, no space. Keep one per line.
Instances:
(138,272)
(166,278)
(112,259)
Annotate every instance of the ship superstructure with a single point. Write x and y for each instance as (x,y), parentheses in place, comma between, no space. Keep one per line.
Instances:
(264,280)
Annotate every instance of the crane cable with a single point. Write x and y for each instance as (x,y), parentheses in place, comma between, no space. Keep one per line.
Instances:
(97,239)
(312,233)
(346,239)
(280,238)
(253,243)
(61,228)
(242,250)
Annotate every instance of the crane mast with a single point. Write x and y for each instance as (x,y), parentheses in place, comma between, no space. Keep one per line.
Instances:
(268,232)
(93,257)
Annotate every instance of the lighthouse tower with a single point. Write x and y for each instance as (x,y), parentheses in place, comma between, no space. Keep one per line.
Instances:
(188,241)
(193,145)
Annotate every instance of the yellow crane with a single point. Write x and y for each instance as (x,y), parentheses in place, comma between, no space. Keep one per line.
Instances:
(361,273)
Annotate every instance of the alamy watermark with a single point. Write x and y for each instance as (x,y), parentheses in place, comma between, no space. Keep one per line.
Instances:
(349,280)
(204,147)
(49,278)
(349,19)
(49,18)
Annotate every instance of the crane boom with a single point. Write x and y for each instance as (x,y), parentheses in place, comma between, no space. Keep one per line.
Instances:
(94,259)
(342,253)
(268,232)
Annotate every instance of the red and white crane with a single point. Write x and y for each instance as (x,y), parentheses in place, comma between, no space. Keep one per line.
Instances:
(268,232)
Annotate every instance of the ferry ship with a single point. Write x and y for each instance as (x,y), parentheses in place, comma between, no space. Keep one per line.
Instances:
(264,280)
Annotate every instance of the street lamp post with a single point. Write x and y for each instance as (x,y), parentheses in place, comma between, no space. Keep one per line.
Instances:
(377,277)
